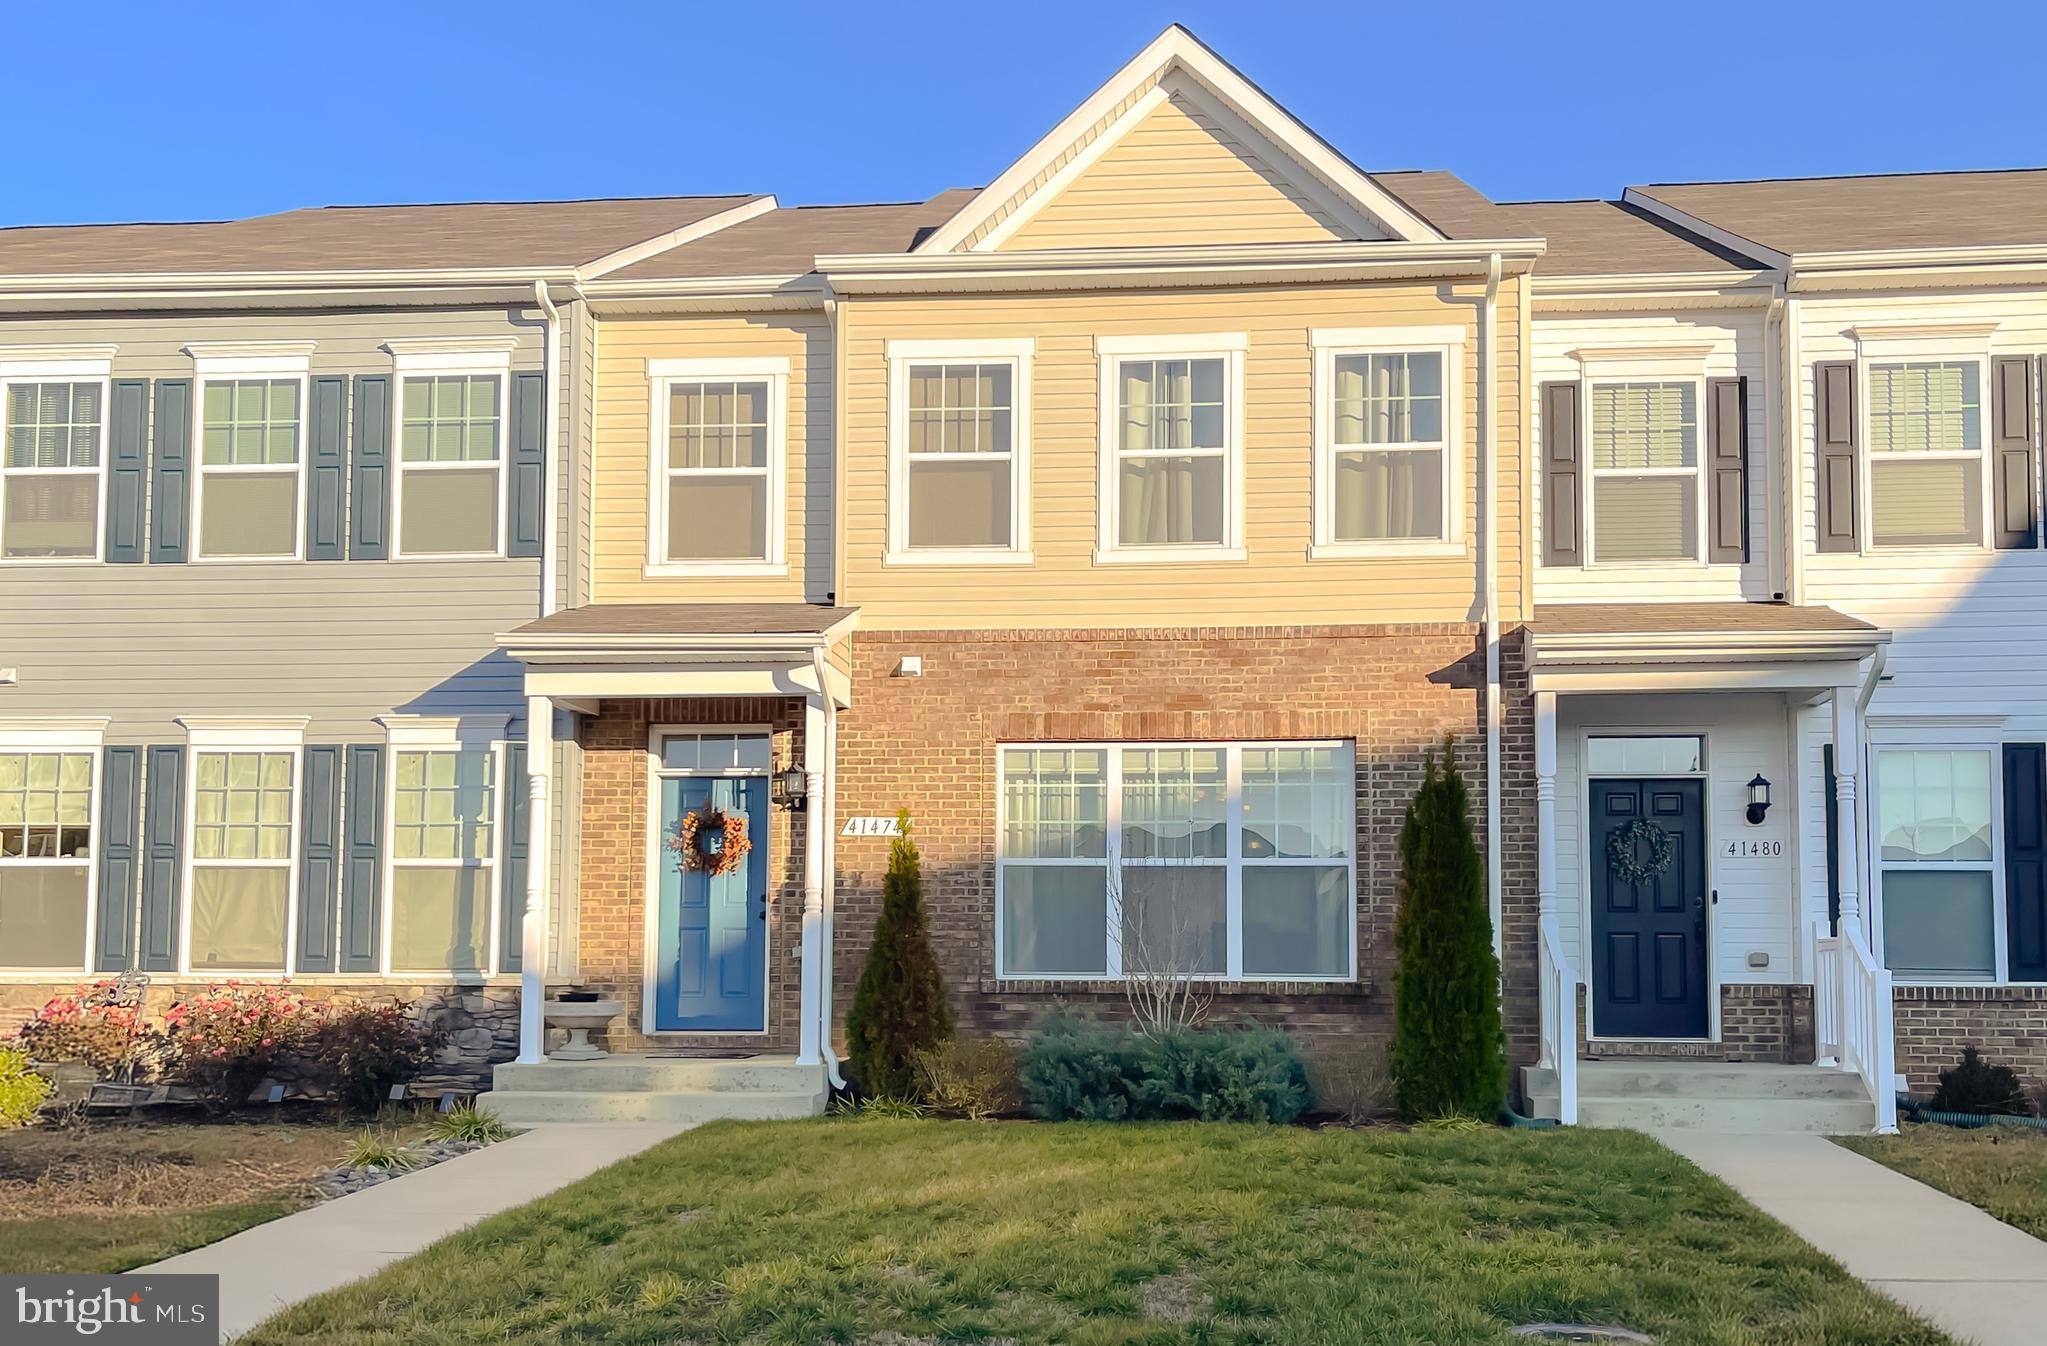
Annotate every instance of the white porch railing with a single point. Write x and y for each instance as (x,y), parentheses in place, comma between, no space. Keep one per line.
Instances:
(1558,999)
(1852,1015)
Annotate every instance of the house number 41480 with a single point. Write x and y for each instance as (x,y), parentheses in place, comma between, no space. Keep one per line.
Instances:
(1747,849)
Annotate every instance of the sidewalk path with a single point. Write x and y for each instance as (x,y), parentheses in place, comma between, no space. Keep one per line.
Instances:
(1974,1276)
(273,1265)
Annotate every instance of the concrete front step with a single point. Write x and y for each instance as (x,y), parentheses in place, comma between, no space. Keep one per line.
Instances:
(1715,1079)
(525,1107)
(1730,1098)
(649,1074)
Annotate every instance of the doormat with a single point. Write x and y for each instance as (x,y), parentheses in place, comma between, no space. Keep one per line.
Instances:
(702,1054)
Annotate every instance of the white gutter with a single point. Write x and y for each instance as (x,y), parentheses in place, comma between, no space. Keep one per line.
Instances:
(823,823)
(1489,605)
(1791,390)
(550,332)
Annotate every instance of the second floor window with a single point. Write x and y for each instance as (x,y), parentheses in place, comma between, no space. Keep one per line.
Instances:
(451,444)
(1925,453)
(250,433)
(50,471)
(1388,448)
(716,483)
(1645,471)
(1172,443)
(961,456)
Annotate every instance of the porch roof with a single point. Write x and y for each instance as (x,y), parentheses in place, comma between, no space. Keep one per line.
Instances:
(682,627)
(1654,646)
(685,649)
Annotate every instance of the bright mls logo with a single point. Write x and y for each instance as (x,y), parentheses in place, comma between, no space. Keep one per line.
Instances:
(163,1310)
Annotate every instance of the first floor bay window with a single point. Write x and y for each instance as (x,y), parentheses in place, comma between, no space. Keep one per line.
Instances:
(1209,860)
(1926,453)
(241,860)
(444,860)
(1934,820)
(45,859)
(1645,471)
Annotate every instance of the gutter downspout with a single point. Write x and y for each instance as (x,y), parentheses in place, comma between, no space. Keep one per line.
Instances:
(551,404)
(824,817)
(1489,608)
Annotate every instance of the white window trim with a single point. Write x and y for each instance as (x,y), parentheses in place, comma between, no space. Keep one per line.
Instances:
(61,736)
(1329,343)
(1994,866)
(1017,353)
(228,362)
(661,375)
(461,363)
(1232,861)
(1925,345)
(442,733)
(1589,385)
(59,364)
(1110,351)
(236,734)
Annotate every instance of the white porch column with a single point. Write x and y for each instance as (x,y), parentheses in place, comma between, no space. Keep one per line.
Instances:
(808,1051)
(539,869)
(1545,861)
(1847,804)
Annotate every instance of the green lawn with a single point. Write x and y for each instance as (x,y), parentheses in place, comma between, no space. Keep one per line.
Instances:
(2002,1169)
(905,1233)
(99,1243)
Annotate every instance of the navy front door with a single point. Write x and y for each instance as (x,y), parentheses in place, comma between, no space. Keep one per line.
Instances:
(712,968)
(1648,867)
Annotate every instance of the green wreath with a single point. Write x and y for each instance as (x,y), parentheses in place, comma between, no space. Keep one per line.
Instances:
(1623,852)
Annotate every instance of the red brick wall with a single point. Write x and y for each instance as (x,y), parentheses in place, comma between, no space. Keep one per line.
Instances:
(2008,1024)
(613,920)
(928,744)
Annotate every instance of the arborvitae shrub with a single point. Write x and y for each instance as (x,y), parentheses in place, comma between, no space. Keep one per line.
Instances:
(899,1009)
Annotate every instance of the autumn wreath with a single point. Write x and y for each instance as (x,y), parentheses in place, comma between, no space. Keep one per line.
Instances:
(711,841)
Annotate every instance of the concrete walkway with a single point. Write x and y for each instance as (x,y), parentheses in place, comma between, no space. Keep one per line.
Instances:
(1974,1276)
(274,1265)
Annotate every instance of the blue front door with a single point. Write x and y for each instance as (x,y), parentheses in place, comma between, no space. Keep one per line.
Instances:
(712,973)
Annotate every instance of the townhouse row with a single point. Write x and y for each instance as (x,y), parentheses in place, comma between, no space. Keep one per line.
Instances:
(384,590)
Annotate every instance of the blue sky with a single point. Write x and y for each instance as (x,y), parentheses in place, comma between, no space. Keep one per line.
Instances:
(163,112)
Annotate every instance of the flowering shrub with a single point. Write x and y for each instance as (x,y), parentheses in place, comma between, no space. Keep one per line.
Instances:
(22,1091)
(360,1051)
(86,1025)
(222,1042)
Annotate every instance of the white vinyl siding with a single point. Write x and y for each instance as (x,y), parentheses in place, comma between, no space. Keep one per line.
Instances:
(451,437)
(1645,471)
(242,832)
(46,847)
(1926,453)
(251,445)
(443,860)
(51,470)
(1209,860)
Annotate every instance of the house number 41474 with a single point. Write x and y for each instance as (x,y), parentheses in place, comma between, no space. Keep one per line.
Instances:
(1743,848)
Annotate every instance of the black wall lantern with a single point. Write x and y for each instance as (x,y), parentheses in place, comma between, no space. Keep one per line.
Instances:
(789,789)
(1758,800)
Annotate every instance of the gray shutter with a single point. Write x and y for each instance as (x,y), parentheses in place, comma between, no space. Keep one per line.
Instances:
(170,473)
(120,831)
(319,858)
(526,474)
(1837,464)
(518,845)
(362,878)
(163,870)
(1562,480)
(1727,471)
(2011,441)
(326,468)
(127,469)
(369,484)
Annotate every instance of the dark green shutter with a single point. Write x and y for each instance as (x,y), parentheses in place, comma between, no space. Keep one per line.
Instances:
(362,878)
(1727,471)
(170,473)
(319,858)
(518,846)
(369,473)
(163,869)
(1562,479)
(2025,860)
(127,469)
(1838,483)
(120,833)
(2011,450)
(326,469)
(526,474)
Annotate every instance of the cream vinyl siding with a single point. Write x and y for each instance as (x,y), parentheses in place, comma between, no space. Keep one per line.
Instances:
(1276,582)
(619,515)
(1178,177)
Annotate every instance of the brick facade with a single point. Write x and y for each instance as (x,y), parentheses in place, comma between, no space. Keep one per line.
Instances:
(928,744)
(2008,1024)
